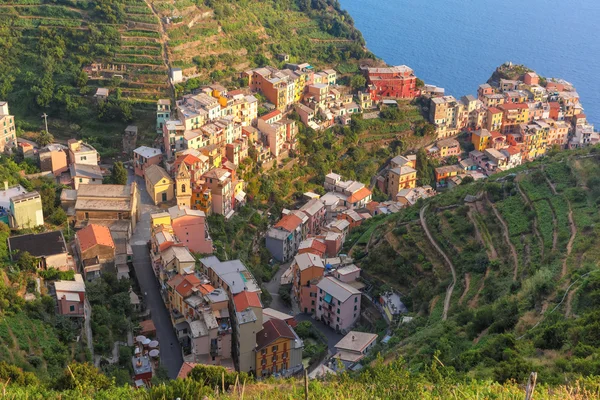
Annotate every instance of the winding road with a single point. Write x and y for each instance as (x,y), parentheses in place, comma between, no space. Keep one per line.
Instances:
(438,248)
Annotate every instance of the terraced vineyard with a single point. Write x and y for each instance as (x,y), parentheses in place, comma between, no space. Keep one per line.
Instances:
(526,250)
(214,40)
(136,54)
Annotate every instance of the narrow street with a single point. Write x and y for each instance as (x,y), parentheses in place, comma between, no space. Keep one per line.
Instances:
(170,350)
(273,287)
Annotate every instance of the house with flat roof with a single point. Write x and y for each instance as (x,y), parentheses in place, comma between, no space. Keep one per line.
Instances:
(85,174)
(49,247)
(70,297)
(143,157)
(26,211)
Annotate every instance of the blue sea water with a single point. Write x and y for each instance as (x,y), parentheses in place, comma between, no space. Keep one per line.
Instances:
(457,44)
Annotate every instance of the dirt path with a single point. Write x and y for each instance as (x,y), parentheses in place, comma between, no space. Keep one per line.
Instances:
(489,246)
(163,43)
(467,286)
(568,306)
(554,226)
(439,249)
(475,299)
(571,240)
(513,251)
(536,232)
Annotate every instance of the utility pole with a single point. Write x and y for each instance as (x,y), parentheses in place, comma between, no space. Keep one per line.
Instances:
(45,116)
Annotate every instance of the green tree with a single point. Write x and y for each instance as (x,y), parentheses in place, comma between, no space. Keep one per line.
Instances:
(452,160)
(118,175)
(358,82)
(4,234)
(26,261)
(44,138)
(467,179)
(423,168)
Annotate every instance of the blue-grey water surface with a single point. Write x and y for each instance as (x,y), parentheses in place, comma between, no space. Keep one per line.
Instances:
(457,44)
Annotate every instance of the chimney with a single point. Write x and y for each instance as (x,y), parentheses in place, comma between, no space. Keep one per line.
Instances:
(266,334)
(353,338)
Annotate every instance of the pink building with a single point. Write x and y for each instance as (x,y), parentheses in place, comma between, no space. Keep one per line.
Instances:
(190,228)
(315,210)
(70,296)
(347,274)
(143,157)
(338,304)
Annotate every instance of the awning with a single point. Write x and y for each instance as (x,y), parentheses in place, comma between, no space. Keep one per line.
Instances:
(240,196)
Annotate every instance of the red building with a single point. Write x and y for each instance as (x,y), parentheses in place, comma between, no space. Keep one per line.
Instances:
(397,82)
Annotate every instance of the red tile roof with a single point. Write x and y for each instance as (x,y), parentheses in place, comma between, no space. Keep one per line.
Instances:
(93,235)
(289,222)
(191,282)
(554,104)
(185,369)
(246,299)
(272,330)
(494,110)
(512,150)
(359,195)
(270,115)
(188,159)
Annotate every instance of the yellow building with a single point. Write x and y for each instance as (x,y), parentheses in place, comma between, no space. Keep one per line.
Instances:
(513,116)
(26,211)
(275,348)
(481,139)
(214,156)
(159,184)
(161,218)
(400,178)
(183,188)
(493,119)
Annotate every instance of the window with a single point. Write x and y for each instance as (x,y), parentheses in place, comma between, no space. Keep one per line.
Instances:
(263,362)
(72,308)
(274,357)
(354,308)
(356,299)
(339,302)
(319,308)
(338,310)
(338,319)
(274,349)
(312,302)
(80,180)
(183,188)
(263,351)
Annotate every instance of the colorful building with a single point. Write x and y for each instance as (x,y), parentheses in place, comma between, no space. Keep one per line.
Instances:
(159,184)
(481,139)
(278,349)
(397,82)
(307,271)
(338,304)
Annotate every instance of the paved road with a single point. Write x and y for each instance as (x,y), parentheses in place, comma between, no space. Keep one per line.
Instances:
(332,336)
(273,288)
(170,356)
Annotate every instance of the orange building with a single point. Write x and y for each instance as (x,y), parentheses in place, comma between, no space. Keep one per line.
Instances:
(307,271)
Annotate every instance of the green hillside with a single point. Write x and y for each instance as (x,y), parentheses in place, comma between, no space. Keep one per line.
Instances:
(525,254)
(45,46)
